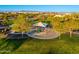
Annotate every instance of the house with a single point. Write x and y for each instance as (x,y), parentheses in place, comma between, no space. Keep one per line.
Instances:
(75,32)
(1,19)
(3,28)
(59,15)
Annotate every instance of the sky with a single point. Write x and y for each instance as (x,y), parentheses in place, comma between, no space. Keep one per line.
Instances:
(45,8)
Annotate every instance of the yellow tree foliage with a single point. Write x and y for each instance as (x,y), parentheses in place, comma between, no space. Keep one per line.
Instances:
(20,24)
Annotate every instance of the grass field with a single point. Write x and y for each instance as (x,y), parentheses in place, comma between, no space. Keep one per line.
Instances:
(65,45)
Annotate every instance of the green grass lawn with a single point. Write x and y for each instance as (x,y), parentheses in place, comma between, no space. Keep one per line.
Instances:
(65,45)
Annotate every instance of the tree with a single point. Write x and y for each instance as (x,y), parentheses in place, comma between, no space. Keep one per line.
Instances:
(20,24)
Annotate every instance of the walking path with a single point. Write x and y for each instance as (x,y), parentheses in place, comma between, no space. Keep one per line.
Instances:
(43,35)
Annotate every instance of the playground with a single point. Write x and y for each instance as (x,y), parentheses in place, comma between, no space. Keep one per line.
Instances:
(41,31)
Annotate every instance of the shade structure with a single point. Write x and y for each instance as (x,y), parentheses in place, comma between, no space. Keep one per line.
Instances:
(16,35)
(40,24)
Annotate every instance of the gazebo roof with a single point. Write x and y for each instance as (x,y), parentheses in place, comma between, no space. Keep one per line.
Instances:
(40,24)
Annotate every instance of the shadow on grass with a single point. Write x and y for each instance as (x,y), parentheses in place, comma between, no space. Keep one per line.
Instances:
(11,44)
